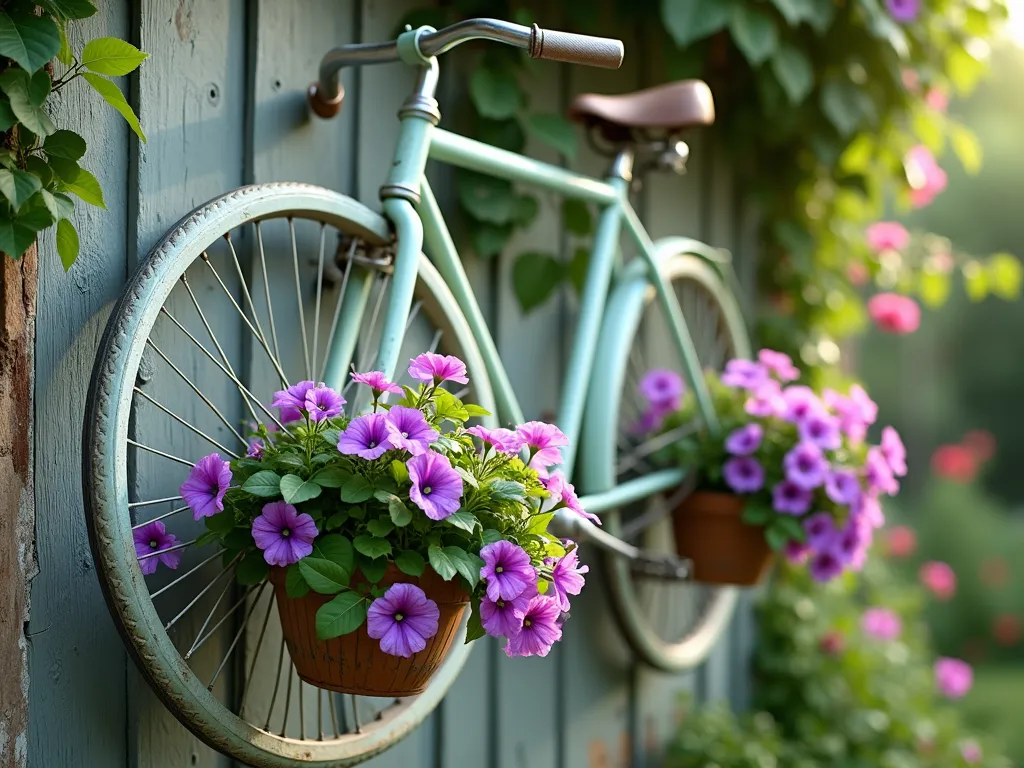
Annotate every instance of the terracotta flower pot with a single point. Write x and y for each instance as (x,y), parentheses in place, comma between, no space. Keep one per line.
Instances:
(724,549)
(354,663)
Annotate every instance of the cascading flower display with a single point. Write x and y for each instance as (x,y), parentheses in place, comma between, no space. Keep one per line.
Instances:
(798,458)
(337,502)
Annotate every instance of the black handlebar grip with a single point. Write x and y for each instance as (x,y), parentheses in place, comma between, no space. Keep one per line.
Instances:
(576,49)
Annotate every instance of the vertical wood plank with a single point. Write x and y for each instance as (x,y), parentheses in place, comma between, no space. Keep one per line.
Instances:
(76,660)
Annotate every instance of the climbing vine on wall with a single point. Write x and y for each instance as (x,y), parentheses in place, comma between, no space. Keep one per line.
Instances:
(40,173)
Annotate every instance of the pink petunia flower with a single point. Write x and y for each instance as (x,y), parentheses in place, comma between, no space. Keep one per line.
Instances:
(541,629)
(925,176)
(939,578)
(881,624)
(887,236)
(901,541)
(207,483)
(436,368)
(953,677)
(894,313)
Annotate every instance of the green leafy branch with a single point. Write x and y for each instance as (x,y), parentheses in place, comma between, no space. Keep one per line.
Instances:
(40,171)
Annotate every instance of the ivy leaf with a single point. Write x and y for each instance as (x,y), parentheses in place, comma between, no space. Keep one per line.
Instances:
(371,546)
(754,32)
(466,564)
(934,288)
(337,549)
(28,39)
(295,490)
(113,96)
(462,519)
(26,96)
(263,483)
(507,490)
(17,233)
(252,568)
(295,586)
(330,477)
(495,92)
(59,205)
(967,148)
(576,217)
(64,54)
(775,535)
(975,280)
(795,11)
(18,186)
(441,562)
(486,199)
(380,527)
(489,240)
(410,562)
(576,269)
(69,9)
(67,243)
(400,514)
(690,20)
(555,131)
(822,12)
(474,628)
(356,489)
(475,410)
(324,576)
(842,103)
(373,570)
(794,72)
(66,144)
(111,56)
(524,210)
(963,69)
(85,186)
(342,615)
(756,514)
(535,276)
(7,116)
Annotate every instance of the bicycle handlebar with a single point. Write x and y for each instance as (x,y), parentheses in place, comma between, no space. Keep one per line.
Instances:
(325,95)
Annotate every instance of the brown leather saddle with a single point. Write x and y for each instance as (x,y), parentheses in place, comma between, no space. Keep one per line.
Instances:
(665,108)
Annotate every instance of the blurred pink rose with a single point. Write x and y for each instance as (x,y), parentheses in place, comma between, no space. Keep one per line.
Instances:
(953,677)
(886,236)
(894,313)
(937,99)
(939,578)
(924,175)
(902,541)
(881,624)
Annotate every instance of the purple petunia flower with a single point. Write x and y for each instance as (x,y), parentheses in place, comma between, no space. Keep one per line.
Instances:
(878,474)
(766,401)
(153,537)
(868,508)
(797,552)
(544,441)
(843,487)
(503,440)
(744,374)
(744,474)
(284,535)
(662,387)
(322,403)
(894,452)
(437,368)
(904,11)
(853,543)
(403,620)
(820,428)
(540,629)
(866,407)
(745,440)
(790,499)
(256,448)
(508,570)
(651,419)
(565,494)
(821,531)
(567,578)
(292,401)
(825,566)
(378,382)
(436,487)
(881,624)
(953,677)
(504,618)
(778,363)
(408,429)
(801,402)
(207,483)
(366,437)
(806,466)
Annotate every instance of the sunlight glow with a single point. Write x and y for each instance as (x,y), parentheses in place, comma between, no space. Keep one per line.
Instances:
(1015,24)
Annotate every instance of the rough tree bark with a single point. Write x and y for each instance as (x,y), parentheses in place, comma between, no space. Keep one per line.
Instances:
(17,511)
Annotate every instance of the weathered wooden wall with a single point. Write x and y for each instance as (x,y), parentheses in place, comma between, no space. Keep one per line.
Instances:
(222,100)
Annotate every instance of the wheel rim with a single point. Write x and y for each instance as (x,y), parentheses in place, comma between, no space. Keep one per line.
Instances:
(672,625)
(205,675)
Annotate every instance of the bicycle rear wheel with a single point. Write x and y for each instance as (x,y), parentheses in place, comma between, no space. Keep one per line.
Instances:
(672,624)
(230,304)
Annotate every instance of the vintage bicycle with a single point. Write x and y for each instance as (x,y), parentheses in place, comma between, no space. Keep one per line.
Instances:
(363,294)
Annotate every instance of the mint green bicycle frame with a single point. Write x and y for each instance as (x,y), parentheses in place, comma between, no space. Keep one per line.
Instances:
(410,205)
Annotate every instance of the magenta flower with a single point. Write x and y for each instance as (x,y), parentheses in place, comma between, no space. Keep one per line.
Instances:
(801,402)
(544,441)
(256,448)
(504,618)
(894,313)
(744,474)
(323,403)
(825,566)
(540,629)
(970,751)
(662,387)
(821,531)
(887,236)
(403,620)
(796,552)
(503,440)
(904,11)
(820,428)
(378,382)
(567,578)
(153,537)
(868,508)
(565,493)
(925,176)
(366,437)
(284,535)
(842,486)
(508,570)
(953,677)
(806,466)
(744,374)
(851,415)
(766,401)
(437,368)
(292,401)
(867,407)
(651,419)
(894,452)
(939,579)
(881,624)
(790,499)
(853,542)
(436,487)
(207,483)
(745,440)
(408,428)
(779,363)
(878,474)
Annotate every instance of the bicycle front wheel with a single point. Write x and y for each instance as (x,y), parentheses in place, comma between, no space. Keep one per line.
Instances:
(672,624)
(231,304)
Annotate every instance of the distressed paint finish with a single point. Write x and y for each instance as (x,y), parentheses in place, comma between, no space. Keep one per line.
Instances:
(17,506)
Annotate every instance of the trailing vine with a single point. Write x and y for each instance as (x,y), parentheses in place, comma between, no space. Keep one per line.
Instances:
(40,173)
